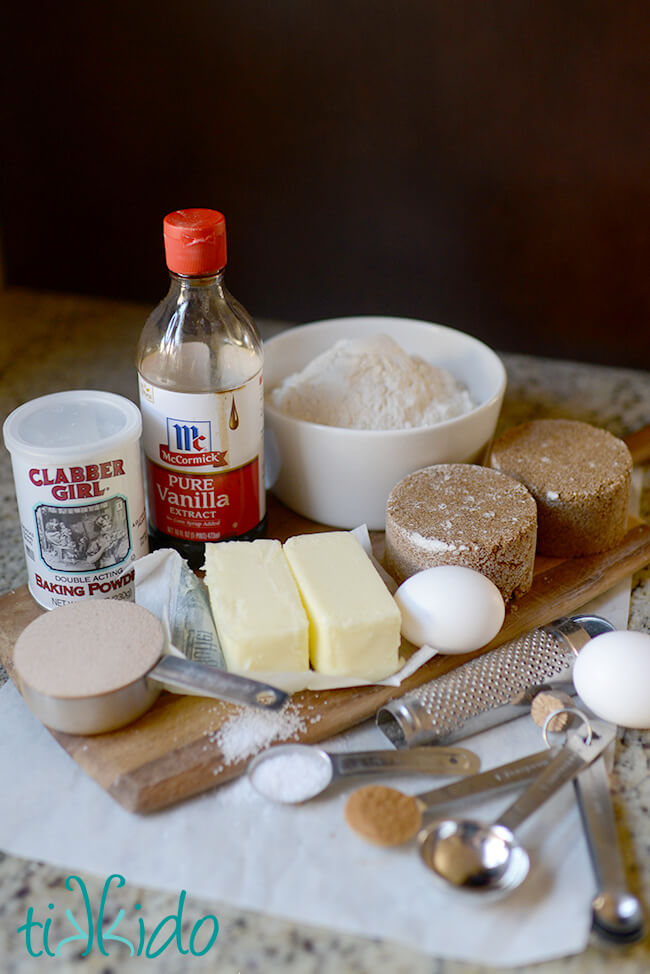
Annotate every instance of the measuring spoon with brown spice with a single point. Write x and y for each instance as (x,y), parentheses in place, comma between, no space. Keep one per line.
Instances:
(388,817)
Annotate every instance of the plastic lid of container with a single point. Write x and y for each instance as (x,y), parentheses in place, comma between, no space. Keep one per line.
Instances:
(195,241)
(72,424)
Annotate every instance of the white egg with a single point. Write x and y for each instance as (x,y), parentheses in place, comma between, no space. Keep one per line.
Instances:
(612,675)
(451,608)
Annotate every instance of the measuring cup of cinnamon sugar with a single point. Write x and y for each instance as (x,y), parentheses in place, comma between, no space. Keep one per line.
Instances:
(97,665)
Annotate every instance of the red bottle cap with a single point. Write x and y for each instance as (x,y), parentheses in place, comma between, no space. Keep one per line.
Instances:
(195,241)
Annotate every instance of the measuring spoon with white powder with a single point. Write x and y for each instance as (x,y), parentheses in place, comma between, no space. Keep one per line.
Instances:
(97,665)
(293,773)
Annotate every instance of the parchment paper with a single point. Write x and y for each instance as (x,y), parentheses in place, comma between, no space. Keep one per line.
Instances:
(302,862)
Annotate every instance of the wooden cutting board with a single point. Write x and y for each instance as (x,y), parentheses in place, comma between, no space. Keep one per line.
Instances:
(169,754)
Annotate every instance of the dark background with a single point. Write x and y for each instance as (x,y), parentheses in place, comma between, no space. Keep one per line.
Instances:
(481,164)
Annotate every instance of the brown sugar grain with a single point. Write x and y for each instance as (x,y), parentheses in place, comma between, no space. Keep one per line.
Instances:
(580,478)
(462,514)
(383,815)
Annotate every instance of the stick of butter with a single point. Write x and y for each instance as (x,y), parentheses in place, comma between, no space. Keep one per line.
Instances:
(354,623)
(260,618)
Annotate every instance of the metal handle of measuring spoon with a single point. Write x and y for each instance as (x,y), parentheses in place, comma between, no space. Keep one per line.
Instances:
(495,779)
(187,676)
(617,913)
(576,754)
(428,760)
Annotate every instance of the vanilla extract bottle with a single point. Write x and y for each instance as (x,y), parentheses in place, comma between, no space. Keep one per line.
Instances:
(202,398)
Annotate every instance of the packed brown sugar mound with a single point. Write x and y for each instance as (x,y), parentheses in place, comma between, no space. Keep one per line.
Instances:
(462,514)
(580,478)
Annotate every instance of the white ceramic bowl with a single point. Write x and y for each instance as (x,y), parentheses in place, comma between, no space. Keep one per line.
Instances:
(342,477)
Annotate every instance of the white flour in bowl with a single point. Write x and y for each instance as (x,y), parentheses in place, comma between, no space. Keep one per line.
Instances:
(371,384)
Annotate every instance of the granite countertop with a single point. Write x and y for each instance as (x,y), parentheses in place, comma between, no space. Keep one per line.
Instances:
(49,343)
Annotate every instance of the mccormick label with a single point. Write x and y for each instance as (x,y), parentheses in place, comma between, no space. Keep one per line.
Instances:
(204,460)
(83,526)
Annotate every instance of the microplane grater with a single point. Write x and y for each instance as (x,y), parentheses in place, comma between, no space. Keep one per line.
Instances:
(490,689)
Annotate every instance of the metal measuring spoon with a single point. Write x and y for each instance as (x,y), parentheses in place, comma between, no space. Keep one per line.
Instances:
(482,859)
(616,913)
(292,773)
(388,817)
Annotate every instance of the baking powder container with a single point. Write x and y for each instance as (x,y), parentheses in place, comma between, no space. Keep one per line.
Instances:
(78,476)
